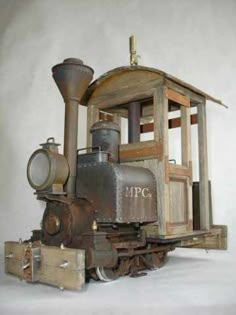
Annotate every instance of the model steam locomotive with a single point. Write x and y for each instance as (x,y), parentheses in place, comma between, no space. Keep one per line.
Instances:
(117,208)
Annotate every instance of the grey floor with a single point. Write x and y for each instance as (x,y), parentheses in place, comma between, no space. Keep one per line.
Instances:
(192,282)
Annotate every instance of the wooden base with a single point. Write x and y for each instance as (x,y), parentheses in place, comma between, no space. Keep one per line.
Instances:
(33,262)
(216,238)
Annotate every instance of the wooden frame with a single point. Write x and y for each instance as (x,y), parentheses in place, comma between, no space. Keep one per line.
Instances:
(203,168)
(158,149)
(180,173)
(185,210)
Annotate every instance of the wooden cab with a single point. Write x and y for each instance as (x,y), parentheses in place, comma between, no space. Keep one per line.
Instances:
(164,103)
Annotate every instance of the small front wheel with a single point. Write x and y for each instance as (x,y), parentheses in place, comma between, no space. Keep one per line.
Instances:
(106,274)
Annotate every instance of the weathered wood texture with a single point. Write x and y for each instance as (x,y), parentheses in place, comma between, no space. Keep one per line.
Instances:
(185,135)
(178,201)
(180,216)
(14,257)
(109,76)
(159,94)
(179,177)
(216,238)
(187,160)
(203,168)
(173,123)
(140,151)
(125,87)
(177,97)
(117,118)
(193,96)
(64,268)
(160,107)
(178,170)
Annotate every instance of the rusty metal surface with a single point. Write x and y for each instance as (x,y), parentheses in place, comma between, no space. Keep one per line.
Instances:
(93,157)
(62,223)
(106,135)
(133,263)
(118,193)
(134,112)
(72,78)
(52,224)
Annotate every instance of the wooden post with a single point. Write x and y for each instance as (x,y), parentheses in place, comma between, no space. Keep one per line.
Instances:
(160,111)
(117,119)
(185,135)
(203,168)
(186,159)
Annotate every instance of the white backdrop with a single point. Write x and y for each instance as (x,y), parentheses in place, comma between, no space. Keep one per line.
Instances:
(193,40)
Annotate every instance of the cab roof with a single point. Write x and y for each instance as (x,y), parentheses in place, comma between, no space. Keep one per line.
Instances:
(146,71)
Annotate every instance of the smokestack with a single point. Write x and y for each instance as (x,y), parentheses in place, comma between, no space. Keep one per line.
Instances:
(72,78)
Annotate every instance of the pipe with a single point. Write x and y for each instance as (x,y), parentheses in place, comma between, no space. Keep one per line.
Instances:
(70,143)
(134,110)
(72,78)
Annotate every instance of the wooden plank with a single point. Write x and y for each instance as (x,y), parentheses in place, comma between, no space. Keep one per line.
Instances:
(140,151)
(216,238)
(118,110)
(117,119)
(173,123)
(177,97)
(64,268)
(105,116)
(160,103)
(144,71)
(126,80)
(14,256)
(194,97)
(185,135)
(147,110)
(178,202)
(178,170)
(124,97)
(124,87)
(146,128)
(186,160)
(203,168)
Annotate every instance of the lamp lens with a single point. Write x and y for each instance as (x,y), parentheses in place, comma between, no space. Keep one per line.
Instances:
(39,169)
